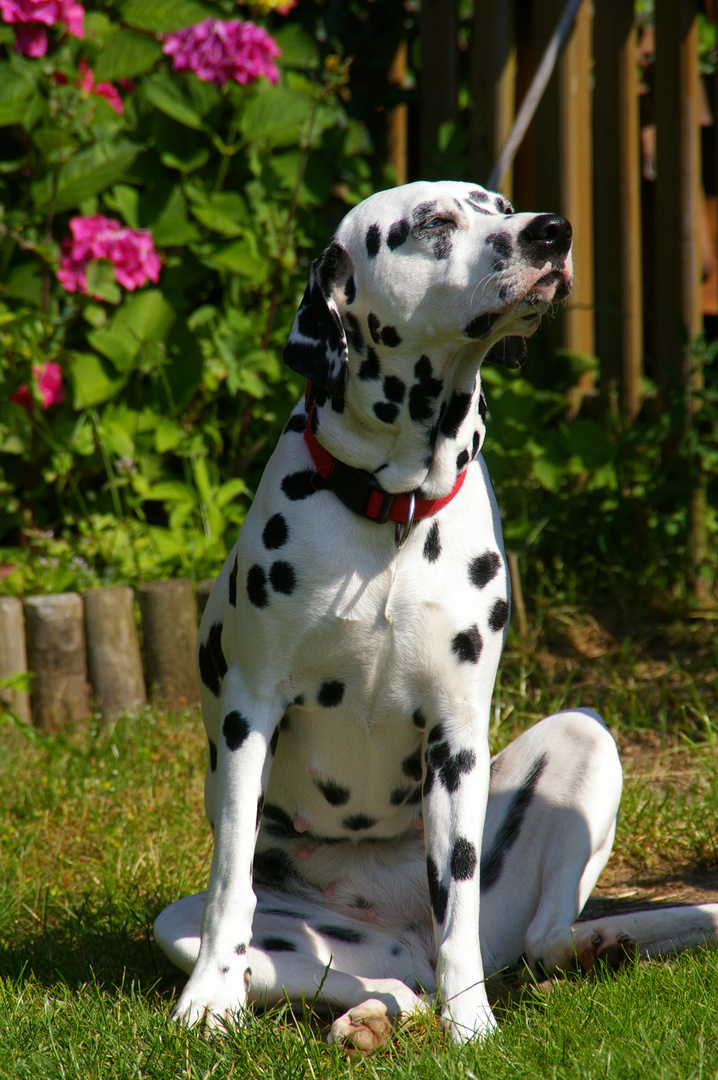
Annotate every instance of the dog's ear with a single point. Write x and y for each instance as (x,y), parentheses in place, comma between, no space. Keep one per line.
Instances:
(510,352)
(317,345)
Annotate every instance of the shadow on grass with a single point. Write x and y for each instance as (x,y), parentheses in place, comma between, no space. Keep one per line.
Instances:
(110,947)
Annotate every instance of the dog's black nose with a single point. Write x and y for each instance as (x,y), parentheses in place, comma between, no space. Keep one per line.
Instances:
(548,232)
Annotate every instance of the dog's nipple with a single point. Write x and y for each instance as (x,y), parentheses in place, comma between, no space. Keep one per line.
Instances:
(300,822)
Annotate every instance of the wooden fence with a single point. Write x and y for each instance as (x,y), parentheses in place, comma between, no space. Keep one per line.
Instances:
(623,144)
(90,651)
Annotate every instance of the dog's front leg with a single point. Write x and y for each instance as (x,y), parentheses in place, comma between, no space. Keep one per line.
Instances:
(219,983)
(455,792)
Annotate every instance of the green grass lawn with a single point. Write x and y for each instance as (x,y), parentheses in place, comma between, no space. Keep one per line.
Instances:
(102,829)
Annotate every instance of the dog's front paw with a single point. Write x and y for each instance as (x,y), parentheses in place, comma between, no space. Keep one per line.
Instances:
(207,999)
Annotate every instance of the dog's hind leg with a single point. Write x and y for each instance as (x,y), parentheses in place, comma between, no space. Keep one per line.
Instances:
(550,826)
(300,952)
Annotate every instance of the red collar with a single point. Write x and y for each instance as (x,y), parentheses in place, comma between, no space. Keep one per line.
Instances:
(361,492)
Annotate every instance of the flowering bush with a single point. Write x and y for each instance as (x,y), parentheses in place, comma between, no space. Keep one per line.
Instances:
(166,173)
(34,15)
(216,50)
(130,251)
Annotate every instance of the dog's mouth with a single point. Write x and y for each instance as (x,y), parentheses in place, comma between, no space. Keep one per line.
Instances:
(548,290)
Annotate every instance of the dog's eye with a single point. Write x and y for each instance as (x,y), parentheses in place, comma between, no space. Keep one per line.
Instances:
(438,222)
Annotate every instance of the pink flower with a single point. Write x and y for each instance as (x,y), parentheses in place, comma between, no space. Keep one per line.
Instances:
(32,15)
(131,252)
(217,50)
(106,90)
(31,41)
(49,385)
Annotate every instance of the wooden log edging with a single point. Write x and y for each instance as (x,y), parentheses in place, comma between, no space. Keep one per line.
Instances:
(84,651)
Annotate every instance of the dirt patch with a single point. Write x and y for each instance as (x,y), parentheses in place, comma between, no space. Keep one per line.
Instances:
(623,887)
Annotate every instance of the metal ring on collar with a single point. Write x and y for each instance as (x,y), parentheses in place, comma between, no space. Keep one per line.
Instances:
(403,528)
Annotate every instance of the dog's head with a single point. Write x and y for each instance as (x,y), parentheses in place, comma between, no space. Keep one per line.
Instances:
(444,263)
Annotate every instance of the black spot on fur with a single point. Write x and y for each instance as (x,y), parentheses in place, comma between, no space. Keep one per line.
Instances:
(398,234)
(438,893)
(357,822)
(467,645)
(475,444)
(296,422)
(273,867)
(390,337)
(414,796)
(260,806)
(374,325)
(484,569)
(300,485)
(424,393)
(273,741)
(277,822)
(432,544)
(350,289)
(477,198)
(455,414)
(456,766)
(233,584)
(483,408)
(373,240)
(277,944)
(481,326)
(353,331)
(502,244)
(503,205)
(342,933)
(411,765)
(419,719)
(330,694)
(370,368)
(257,586)
(276,532)
(398,796)
(282,577)
(335,794)
(386,412)
(463,860)
(492,861)
(240,949)
(394,389)
(436,734)
(235,729)
(212,664)
(498,616)
(462,460)
(212,755)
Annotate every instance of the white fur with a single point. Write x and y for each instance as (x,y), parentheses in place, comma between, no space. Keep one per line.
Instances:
(364,656)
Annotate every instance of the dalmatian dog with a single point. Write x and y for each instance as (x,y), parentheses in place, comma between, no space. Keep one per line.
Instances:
(367,853)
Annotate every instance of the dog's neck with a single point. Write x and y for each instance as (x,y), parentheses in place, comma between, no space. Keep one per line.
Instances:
(412,416)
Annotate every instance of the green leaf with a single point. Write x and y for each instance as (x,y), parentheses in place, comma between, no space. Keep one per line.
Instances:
(87,173)
(276,116)
(237,257)
(171,226)
(101,281)
(223,212)
(16,89)
(127,55)
(165,16)
(92,385)
(168,435)
(143,319)
(298,49)
(167,96)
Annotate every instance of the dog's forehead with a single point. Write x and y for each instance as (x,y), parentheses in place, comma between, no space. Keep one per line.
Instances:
(419,199)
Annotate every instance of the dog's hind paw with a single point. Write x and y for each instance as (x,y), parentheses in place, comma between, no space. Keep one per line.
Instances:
(364,1028)
(598,946)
